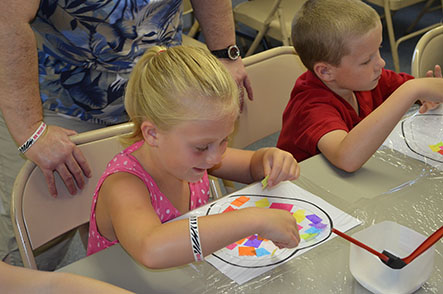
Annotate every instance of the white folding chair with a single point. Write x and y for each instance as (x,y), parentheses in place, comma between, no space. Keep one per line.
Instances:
(39,218)
(268,18)
(272,74)
(428,52)
(189,38)
(391,6)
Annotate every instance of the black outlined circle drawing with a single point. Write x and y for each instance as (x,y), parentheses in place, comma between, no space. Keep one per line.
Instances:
(415,131)
(314,220)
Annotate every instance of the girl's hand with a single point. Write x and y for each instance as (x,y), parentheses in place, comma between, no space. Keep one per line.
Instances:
(280,166)
(279,226)
(428,105)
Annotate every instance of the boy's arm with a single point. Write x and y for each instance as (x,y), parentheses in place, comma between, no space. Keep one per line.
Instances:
(349,151)
(427,105)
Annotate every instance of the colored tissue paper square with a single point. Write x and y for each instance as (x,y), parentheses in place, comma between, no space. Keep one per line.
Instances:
(269,246)
(314,218)
(436,147)
(264,182)
(246,251)
(320,226)
(312,230)
(229,208)
(261,252)
(262,203)
(240,201)
(299,227)
(308,237)
(231,246)
(441,152)
(241,241)
(284,206)
(253,243)
(299,215)
(261,238)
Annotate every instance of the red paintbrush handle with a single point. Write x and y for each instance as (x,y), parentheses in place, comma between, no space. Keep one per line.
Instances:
(358,243)
(425,245)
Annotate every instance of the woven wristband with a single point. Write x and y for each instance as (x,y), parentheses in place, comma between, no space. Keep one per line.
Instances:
(195,239)
(37,134)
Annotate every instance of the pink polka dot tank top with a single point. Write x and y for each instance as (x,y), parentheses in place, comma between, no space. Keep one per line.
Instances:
(126,162)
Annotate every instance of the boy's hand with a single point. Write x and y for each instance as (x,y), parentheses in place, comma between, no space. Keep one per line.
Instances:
(279,166)
(428,105)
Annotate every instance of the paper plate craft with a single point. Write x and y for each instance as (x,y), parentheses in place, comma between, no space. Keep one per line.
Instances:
(252,256)
(314,226)
(421,138)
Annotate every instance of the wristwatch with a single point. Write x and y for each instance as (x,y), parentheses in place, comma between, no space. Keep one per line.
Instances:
(232,52)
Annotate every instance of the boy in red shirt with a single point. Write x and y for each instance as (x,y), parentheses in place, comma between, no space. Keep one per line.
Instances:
(346,104)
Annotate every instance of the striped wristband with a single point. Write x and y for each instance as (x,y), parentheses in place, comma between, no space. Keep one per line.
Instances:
(37,134)
(195,239)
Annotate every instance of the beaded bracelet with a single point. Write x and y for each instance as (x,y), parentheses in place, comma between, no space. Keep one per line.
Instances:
(37,134)
(195,239)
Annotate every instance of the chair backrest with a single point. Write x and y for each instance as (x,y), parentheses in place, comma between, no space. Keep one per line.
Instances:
(270,18)
(428,52)
(391,6)
(37,217)
(272,74)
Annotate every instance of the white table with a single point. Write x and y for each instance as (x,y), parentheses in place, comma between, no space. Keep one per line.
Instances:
(390,186)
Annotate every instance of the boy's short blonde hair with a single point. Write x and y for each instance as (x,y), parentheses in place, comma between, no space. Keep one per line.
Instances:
(169,86)
(322,28)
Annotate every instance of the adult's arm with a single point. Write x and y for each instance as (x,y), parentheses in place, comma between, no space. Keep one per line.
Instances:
(217,24)
(15,279)
(20,99)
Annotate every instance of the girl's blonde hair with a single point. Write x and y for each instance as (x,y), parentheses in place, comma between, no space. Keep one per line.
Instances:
(321,29)
(169,86)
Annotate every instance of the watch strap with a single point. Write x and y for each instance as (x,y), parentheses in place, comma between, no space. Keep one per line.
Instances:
(232,52)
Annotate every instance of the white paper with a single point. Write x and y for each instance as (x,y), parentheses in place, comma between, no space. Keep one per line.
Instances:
(244,268)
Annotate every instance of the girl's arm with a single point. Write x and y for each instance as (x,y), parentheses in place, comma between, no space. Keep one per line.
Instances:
(156,245)
(251,166)
(349,151)
(15,279)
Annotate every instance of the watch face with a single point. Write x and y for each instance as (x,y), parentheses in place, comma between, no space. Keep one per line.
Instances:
(233,52)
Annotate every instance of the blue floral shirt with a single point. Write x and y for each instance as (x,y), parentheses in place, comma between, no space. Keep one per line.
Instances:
(86,50)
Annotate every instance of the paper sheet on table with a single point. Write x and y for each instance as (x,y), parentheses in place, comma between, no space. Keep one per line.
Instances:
(419,137)
(316,215)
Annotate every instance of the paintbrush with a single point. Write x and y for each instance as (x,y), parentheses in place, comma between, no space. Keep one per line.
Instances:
(390,259)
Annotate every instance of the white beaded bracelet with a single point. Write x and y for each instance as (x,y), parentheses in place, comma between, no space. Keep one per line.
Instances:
(37,134)
(195,239)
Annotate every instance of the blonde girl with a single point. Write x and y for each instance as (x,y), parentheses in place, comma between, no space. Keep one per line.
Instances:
(184,105)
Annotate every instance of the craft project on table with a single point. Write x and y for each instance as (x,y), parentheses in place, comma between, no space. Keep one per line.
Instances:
(420,136)
(254,255)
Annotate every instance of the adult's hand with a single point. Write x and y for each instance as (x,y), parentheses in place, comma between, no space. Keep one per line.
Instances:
(55,152)
(238,72)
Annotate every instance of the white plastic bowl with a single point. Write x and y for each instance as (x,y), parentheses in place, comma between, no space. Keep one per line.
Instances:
(399,240)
